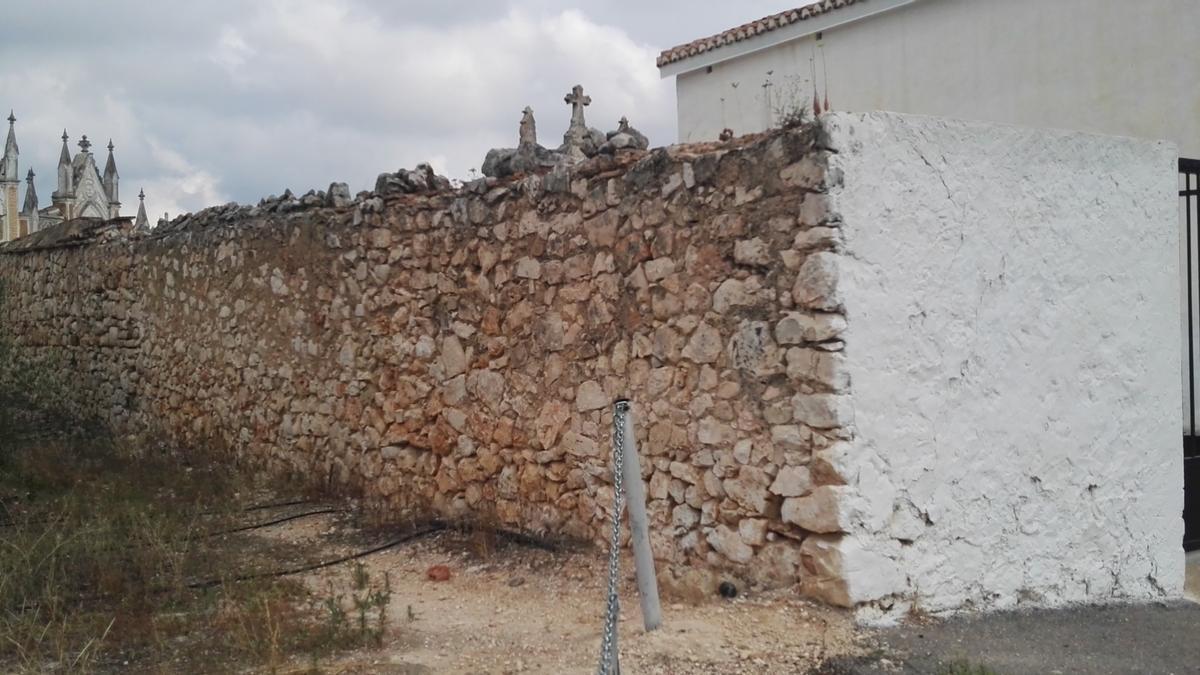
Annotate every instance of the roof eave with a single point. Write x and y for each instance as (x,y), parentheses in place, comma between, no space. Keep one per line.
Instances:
(777,36)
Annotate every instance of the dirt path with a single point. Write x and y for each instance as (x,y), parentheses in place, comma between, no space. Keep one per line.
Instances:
(517,609)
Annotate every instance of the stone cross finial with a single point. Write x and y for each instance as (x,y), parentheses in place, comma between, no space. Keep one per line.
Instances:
(11,118)
(528,129)
(110,145)
(578,100)
(65,137)
(29,177)
(141,195)
(85,144)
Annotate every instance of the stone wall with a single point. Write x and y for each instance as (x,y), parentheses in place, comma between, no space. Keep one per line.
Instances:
(1004,300)
(458,351)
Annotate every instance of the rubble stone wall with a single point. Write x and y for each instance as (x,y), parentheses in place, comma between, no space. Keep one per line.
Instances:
(458,351)
(1004,301)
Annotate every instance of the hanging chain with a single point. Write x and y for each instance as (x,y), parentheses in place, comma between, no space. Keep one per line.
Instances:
(609,662)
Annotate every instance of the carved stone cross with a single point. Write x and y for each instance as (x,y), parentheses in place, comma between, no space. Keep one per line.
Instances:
(577,99)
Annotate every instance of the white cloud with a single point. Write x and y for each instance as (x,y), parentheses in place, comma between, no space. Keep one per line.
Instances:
(178,187)
(424,90)
(231,50)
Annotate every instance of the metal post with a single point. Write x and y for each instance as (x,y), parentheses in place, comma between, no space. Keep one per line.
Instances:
(639,527)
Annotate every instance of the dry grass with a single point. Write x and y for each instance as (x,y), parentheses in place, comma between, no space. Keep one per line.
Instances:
(99,561)
(101,546)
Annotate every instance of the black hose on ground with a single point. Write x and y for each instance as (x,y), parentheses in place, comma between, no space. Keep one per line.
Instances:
(257,526)
(423,531)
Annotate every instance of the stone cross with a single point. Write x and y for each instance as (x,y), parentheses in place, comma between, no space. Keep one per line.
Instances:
(578,100)
(528,129)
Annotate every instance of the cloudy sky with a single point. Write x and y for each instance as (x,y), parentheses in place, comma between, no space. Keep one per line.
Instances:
(224,100)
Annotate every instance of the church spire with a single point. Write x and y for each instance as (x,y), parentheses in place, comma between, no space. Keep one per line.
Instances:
(66,176)
(65,156)
(110,176)
(142,222)
(8,165)
(31,204)
(31,200)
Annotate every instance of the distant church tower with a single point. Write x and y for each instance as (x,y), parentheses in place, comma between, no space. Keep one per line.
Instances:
(64,196)
(141,222)
(83,192)
(10,181)
(30,212)
(110,183)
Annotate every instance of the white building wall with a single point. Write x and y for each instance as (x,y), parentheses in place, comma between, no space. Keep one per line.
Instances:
(1014,353)
(1123,67)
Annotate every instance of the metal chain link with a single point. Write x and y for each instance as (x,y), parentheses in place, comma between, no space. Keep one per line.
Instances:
(609,661)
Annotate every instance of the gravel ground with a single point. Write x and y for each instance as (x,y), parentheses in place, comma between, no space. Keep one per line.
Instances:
(518,609)
(509,608)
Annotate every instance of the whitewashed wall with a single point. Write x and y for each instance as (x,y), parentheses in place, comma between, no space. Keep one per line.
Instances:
(1126,67)
(1014,346)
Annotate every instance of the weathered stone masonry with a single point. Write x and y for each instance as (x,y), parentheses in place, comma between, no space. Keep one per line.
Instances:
(1005,301)
(458,351)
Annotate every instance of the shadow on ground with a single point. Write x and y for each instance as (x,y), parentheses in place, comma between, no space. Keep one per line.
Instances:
(1159,638)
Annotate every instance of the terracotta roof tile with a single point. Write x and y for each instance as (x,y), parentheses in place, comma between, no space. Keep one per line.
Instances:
(748,30)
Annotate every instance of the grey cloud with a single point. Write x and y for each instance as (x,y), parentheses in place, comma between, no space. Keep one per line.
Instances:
(235,100)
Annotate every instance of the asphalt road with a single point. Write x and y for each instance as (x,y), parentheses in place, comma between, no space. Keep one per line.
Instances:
(1158,638)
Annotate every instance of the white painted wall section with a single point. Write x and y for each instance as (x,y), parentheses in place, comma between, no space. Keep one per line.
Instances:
(1014,350)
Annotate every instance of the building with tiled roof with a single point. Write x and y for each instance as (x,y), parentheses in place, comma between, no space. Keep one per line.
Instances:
(1106,66)
(754,29)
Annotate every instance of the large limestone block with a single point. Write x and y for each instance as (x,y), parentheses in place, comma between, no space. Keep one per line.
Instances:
(454,358)
(729,543)
(816,284)
(841,571)
(800,327)
(826,509)
(792,481)
(823,411)
(590,396)
(704,346)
